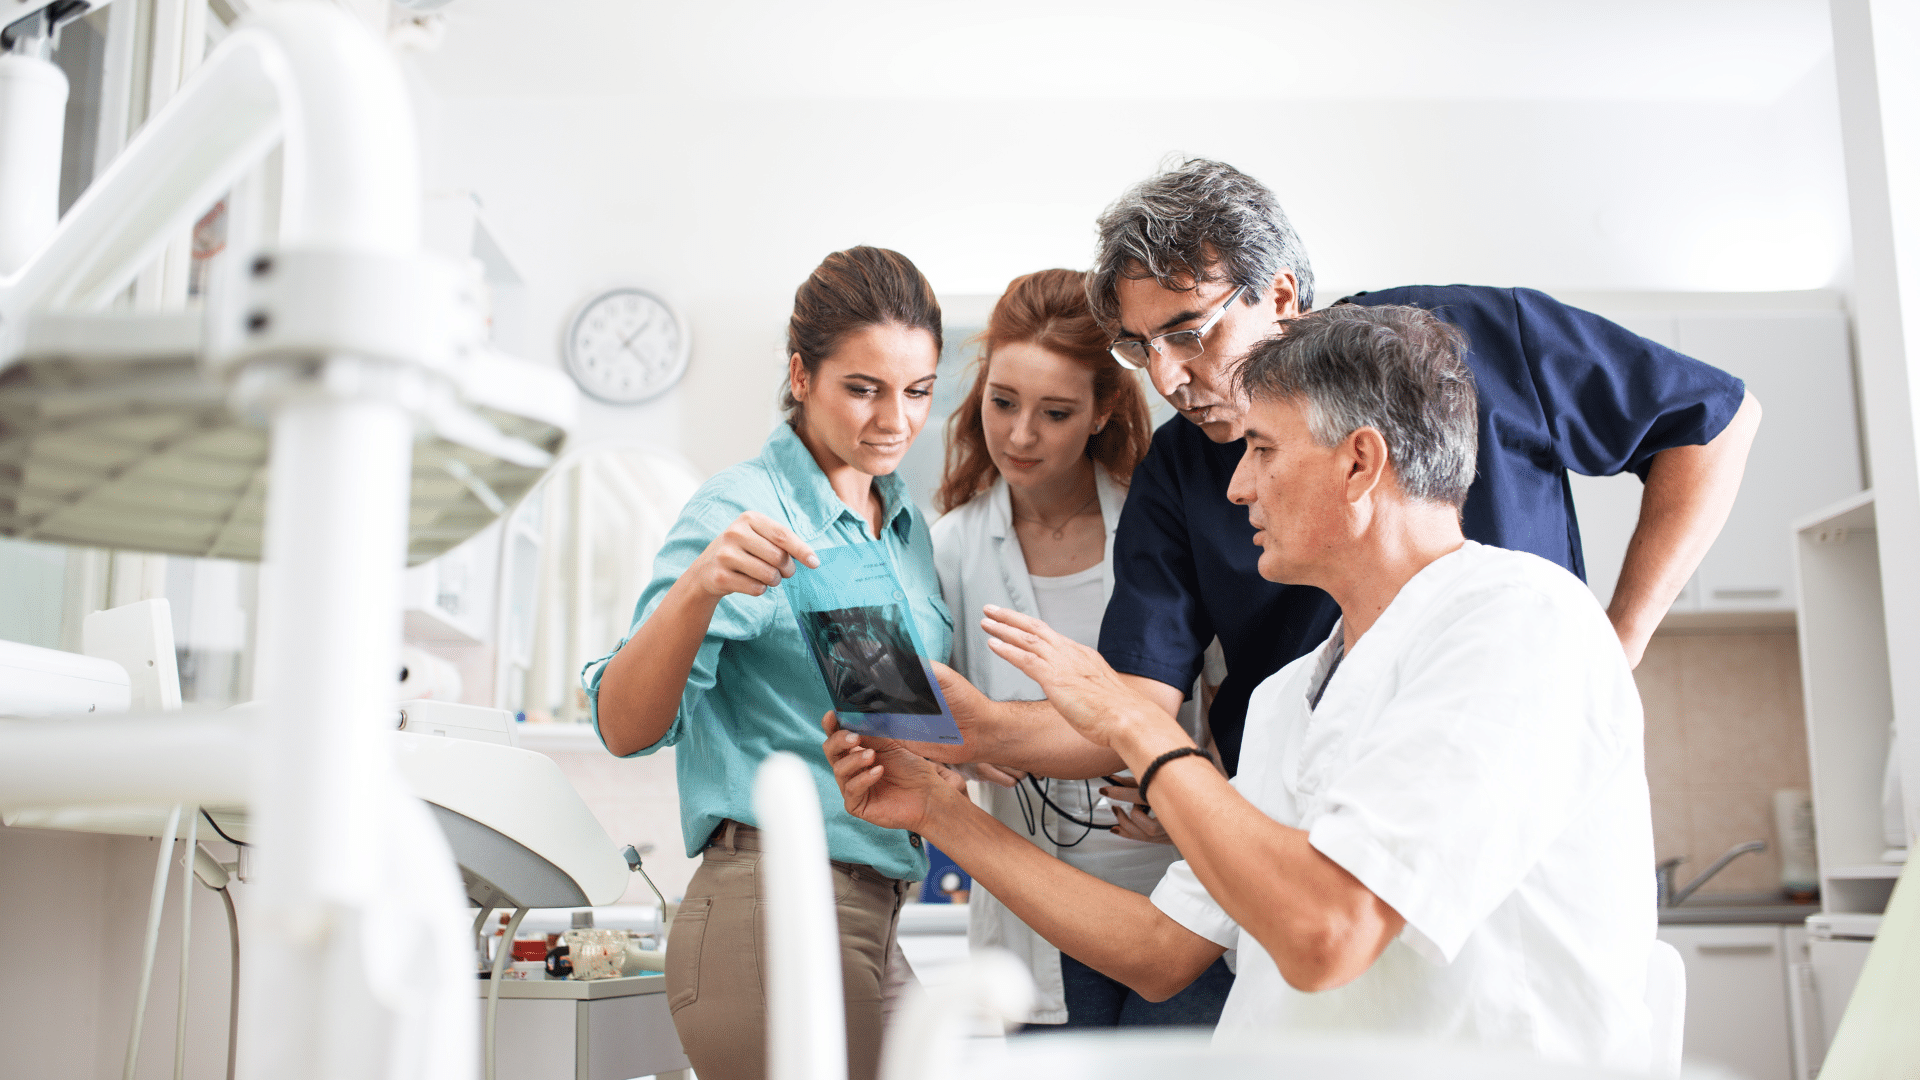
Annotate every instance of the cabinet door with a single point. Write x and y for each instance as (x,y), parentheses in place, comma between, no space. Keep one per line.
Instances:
(1836,968)
(1806,455)
(1737,1013)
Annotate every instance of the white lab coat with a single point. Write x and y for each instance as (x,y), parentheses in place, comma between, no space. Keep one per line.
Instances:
(978,557)
(1477,763)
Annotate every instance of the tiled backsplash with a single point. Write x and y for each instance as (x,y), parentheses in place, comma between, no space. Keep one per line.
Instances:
(1725,729)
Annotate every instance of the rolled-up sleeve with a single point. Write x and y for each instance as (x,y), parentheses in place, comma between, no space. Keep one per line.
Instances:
(1182,898)
(1493,744)
(738,617)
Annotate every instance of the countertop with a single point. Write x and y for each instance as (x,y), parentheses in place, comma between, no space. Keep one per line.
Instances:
(1737,908)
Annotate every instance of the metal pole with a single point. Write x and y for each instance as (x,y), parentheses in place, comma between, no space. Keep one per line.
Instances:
(330,632)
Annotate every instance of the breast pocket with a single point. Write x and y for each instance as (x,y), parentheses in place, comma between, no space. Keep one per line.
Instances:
(940,641)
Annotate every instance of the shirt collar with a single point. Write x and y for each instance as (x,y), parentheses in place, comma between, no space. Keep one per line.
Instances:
(811,502)
(1000,504)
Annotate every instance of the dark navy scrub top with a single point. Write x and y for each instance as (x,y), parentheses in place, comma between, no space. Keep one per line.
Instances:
(1559,389)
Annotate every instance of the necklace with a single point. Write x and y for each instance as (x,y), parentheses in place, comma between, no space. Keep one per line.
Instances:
(1060,532)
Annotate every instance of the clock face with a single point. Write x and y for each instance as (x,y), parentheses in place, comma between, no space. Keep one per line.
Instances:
(626,346)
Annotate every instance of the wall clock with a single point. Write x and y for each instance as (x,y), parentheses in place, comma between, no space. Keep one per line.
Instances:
(625,346)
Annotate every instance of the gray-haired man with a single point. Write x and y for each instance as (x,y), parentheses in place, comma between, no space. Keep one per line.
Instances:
(1440,827)
(1198,264)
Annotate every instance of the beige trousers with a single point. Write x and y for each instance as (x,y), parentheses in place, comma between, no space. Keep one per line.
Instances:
(716,959)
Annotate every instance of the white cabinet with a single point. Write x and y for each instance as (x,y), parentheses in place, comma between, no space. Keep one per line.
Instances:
(1833,967)
(1737,1015)
(1806,455)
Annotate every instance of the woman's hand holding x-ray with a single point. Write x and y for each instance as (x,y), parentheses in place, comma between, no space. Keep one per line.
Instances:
(1078,682)
(750,556)
(883,782)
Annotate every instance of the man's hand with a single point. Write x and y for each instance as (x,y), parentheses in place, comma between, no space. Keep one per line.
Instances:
(1688,494)
(973,713)
(1077,681)
(883,782)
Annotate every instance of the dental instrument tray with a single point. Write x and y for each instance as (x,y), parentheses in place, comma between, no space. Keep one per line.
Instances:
(857,622)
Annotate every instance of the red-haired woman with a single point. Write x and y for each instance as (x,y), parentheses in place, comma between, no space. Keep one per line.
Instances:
(1038,458)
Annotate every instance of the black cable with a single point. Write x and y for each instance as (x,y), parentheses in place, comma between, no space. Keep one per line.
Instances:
(1028,814)
(221,831)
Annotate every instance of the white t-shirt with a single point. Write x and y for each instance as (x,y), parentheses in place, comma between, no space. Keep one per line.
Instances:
(1074,604)
(1477,763)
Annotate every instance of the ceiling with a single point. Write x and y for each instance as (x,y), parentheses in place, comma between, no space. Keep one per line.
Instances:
(1734,51)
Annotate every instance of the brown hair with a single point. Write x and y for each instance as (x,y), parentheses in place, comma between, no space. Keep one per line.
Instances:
(849,291)
(1048,309)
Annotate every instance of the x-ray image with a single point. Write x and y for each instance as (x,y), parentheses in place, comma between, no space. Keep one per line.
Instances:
(866,655)
(858,624)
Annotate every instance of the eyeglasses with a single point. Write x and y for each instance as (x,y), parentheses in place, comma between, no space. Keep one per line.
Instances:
(1181,346)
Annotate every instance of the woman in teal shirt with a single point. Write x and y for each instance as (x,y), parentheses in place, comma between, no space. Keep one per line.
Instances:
(715,664)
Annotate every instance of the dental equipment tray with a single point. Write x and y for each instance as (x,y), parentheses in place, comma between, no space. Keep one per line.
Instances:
(577,989)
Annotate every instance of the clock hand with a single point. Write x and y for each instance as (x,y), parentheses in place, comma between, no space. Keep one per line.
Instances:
(644,327)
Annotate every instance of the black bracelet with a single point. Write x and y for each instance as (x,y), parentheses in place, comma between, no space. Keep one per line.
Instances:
(1177,752)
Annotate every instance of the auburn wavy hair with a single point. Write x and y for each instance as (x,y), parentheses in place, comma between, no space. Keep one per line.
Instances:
(1048,309)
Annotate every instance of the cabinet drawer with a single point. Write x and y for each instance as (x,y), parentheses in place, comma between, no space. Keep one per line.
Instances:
(1737,1015)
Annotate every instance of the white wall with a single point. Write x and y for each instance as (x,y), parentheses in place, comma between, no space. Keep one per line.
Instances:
(726,202)
(75,906)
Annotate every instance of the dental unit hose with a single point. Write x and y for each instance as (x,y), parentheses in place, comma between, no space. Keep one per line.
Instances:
(152,942)
(501,953)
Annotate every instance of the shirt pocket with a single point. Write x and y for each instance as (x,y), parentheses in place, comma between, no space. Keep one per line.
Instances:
(940,643)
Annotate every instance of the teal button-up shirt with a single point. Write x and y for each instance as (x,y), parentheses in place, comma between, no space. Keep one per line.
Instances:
(754,687)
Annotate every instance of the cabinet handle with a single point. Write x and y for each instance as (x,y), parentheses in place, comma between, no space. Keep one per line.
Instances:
(1735,946)
(1746,594)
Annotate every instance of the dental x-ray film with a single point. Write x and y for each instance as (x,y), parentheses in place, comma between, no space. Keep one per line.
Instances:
(855,618)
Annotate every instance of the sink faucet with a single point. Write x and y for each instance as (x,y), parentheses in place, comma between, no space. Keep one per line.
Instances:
(1663,873)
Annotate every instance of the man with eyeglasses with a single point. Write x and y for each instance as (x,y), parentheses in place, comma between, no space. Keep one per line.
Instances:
(1195,267)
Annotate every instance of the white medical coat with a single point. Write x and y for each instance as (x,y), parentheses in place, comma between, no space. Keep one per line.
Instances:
(1476,761)
(978,557)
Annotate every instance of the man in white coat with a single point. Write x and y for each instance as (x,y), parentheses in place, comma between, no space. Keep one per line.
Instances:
(1440,828)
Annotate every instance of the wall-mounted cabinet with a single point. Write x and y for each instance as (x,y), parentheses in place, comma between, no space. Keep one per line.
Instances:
(1794,355)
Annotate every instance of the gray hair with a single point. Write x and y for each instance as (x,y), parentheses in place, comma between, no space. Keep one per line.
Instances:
(1202,221)
(1397,370)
